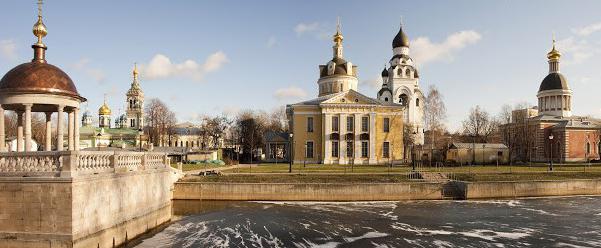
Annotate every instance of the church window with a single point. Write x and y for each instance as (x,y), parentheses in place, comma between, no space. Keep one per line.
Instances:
(588,148)
(309,149)
(342,87)
(386,99)
(335,149)
(364,149)
(386,150)
(310,124)
(350,123)
(349,149)
(403,99)
(335,124)
(407,73)
(364,124)
(417,102)
(386,125)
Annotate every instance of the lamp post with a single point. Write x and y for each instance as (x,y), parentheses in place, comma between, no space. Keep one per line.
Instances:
(140,132)
(551,160)
(290,153)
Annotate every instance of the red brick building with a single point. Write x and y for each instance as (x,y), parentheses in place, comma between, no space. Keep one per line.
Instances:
(549,131)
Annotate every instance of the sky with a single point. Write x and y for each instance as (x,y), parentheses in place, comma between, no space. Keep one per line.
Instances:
(214,57)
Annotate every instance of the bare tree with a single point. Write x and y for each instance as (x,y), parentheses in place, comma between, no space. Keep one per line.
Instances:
(214,129)
(160,121)
(435,113)
(479,125)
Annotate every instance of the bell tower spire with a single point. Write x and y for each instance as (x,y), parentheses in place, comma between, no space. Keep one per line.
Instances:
(338,40)
(553,57)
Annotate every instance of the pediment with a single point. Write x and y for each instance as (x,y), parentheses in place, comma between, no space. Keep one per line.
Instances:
(352,97)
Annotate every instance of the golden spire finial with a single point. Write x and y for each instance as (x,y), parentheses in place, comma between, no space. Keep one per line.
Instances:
(135,72)
(553,54)
(39,29)
(338,35)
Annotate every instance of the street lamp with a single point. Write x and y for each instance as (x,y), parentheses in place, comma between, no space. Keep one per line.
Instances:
(551,161)
(290,153)
(140,132)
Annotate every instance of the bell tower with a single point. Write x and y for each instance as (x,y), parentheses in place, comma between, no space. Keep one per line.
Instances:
(135,103)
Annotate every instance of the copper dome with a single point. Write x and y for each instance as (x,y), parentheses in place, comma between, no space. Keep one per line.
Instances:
(37,77)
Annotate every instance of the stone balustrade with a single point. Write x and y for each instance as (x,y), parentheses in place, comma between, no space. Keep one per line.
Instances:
(73,163)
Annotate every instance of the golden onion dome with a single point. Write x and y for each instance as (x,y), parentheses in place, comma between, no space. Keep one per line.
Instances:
(553,54)
(39,30)
(104,110)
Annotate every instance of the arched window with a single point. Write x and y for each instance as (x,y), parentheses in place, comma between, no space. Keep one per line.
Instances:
(407,73)
(403,99)
(386,99)
(417,102)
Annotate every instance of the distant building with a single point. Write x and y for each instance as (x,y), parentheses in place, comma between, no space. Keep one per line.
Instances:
(477,153)
(550,131)
(341,125)
(126,132)
(276,146)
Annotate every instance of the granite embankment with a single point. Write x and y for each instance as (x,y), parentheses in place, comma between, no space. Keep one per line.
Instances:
(382,191)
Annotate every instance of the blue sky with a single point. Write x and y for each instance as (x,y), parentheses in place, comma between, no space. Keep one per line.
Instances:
(209,57)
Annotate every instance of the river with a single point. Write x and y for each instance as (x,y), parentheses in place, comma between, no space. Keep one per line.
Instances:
(534,222)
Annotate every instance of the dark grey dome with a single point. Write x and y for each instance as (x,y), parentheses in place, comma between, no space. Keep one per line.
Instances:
(554,81)
(339,69)
(401,39)
(384,73)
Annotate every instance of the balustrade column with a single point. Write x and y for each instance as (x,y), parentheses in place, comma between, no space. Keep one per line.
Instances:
(2,132)
(20,131)
(48,138)
(70,120)
(27,127)
(76,129)
(59,128)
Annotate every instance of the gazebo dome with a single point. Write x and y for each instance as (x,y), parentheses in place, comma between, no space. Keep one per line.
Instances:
(38,77)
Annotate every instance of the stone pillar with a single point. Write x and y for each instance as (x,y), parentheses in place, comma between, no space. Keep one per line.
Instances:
(357,143)
(59,128)
(70,126)
(48,138)
(20,131)
(28,127)
(342,142)
(372,138)
(327,131)
(2,133)
(76,129)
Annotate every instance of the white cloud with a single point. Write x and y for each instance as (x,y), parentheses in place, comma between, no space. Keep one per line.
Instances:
(425,51)
(587,30)
(271,42)
(84,65)
(319,30)
(229,110)
(575,50)
(291,92)
(8,49)
(160,66)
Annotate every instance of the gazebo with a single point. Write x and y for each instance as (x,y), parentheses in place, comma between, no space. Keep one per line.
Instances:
(37,86)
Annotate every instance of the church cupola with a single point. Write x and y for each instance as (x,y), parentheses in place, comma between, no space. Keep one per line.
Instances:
(337,75)
(104,115)
(554,94)
(400,43)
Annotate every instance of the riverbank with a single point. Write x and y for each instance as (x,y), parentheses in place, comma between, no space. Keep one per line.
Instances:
(382,191)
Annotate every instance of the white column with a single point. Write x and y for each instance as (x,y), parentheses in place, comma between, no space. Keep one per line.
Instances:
(76,129)
(48,141)
(59,128)
(357,139)
(342,143)
(20,131)
(27,127)
(372,138)
(327,120)
(70,126)
(2,131)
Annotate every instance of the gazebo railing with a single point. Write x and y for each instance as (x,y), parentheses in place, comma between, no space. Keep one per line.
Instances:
(73,163)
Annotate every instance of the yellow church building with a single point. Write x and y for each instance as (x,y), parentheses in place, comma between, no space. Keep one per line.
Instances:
(341,125)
